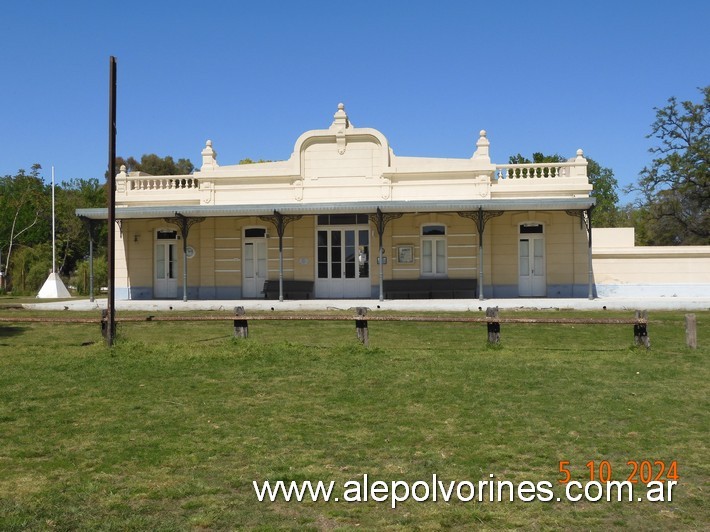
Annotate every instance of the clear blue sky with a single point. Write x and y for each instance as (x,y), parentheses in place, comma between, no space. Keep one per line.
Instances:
(252,76)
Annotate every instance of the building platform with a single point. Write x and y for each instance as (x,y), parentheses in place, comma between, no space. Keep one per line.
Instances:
(398,305)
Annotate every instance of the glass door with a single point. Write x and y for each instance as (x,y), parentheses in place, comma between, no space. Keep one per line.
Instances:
(343,267)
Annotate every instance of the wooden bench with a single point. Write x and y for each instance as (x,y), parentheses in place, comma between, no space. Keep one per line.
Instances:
(292,289)
(434,288)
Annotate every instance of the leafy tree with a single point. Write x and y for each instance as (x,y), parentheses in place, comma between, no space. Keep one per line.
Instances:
(675,187)
(24,214)
(71,232)
(250,161)
(154,165)
(538,158)
(25,226)
(605,185)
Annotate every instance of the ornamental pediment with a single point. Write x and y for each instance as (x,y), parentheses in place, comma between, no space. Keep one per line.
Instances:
(342,150)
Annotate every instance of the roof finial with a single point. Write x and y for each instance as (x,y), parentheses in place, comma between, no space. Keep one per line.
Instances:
(209,157)
(340,117)
(339,125)
(482,146)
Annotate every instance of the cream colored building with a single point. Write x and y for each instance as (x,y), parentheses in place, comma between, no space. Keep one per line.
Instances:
(345,217)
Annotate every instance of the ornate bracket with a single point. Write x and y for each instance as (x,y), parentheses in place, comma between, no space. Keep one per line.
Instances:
(585,219)
(340,140)
(280,221)
(480,217)
(381,219)
(184,224)
(298,189)
(386,187)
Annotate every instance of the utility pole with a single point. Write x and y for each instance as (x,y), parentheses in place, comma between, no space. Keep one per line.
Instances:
(111,311)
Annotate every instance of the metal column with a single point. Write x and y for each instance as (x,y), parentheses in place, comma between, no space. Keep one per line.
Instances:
(381,220)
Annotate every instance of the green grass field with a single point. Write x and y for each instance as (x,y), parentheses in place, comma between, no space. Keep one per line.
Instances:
(168,429)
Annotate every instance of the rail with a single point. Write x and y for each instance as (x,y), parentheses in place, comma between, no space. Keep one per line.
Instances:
(241,321)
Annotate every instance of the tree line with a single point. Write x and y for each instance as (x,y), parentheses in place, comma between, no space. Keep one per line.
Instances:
(673,191)
(26,228)
(673,196)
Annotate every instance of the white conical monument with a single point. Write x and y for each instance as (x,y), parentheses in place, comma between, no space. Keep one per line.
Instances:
(53,287)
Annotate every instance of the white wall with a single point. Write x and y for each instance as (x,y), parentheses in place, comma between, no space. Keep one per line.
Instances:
(624,270)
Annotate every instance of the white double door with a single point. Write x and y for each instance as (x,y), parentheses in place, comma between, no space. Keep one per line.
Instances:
(343,262)
(532,280)
(166,270)
(254,267)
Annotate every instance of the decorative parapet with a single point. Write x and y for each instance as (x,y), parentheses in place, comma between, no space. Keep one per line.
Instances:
(142,187)
(144,182)
(565,179)
(345,163)
(574,168)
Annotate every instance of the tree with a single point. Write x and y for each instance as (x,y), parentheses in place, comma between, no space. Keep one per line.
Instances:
(25,226)
(538,158)
(29,267)
(72,234)
(604,187)
(675,188)
(154,165)
(24,213)
(250,161)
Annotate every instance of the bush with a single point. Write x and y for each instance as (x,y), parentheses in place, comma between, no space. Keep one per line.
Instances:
(29,269)
(80,277)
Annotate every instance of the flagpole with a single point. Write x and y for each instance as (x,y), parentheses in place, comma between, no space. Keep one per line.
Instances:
(54,241)
(53,287)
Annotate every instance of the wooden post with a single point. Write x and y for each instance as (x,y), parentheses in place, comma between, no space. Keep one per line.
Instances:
(691,332)
(111,191)
(104,322)
(241,326)
(91,268)
(493,326)
(363,333)
(641,331)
